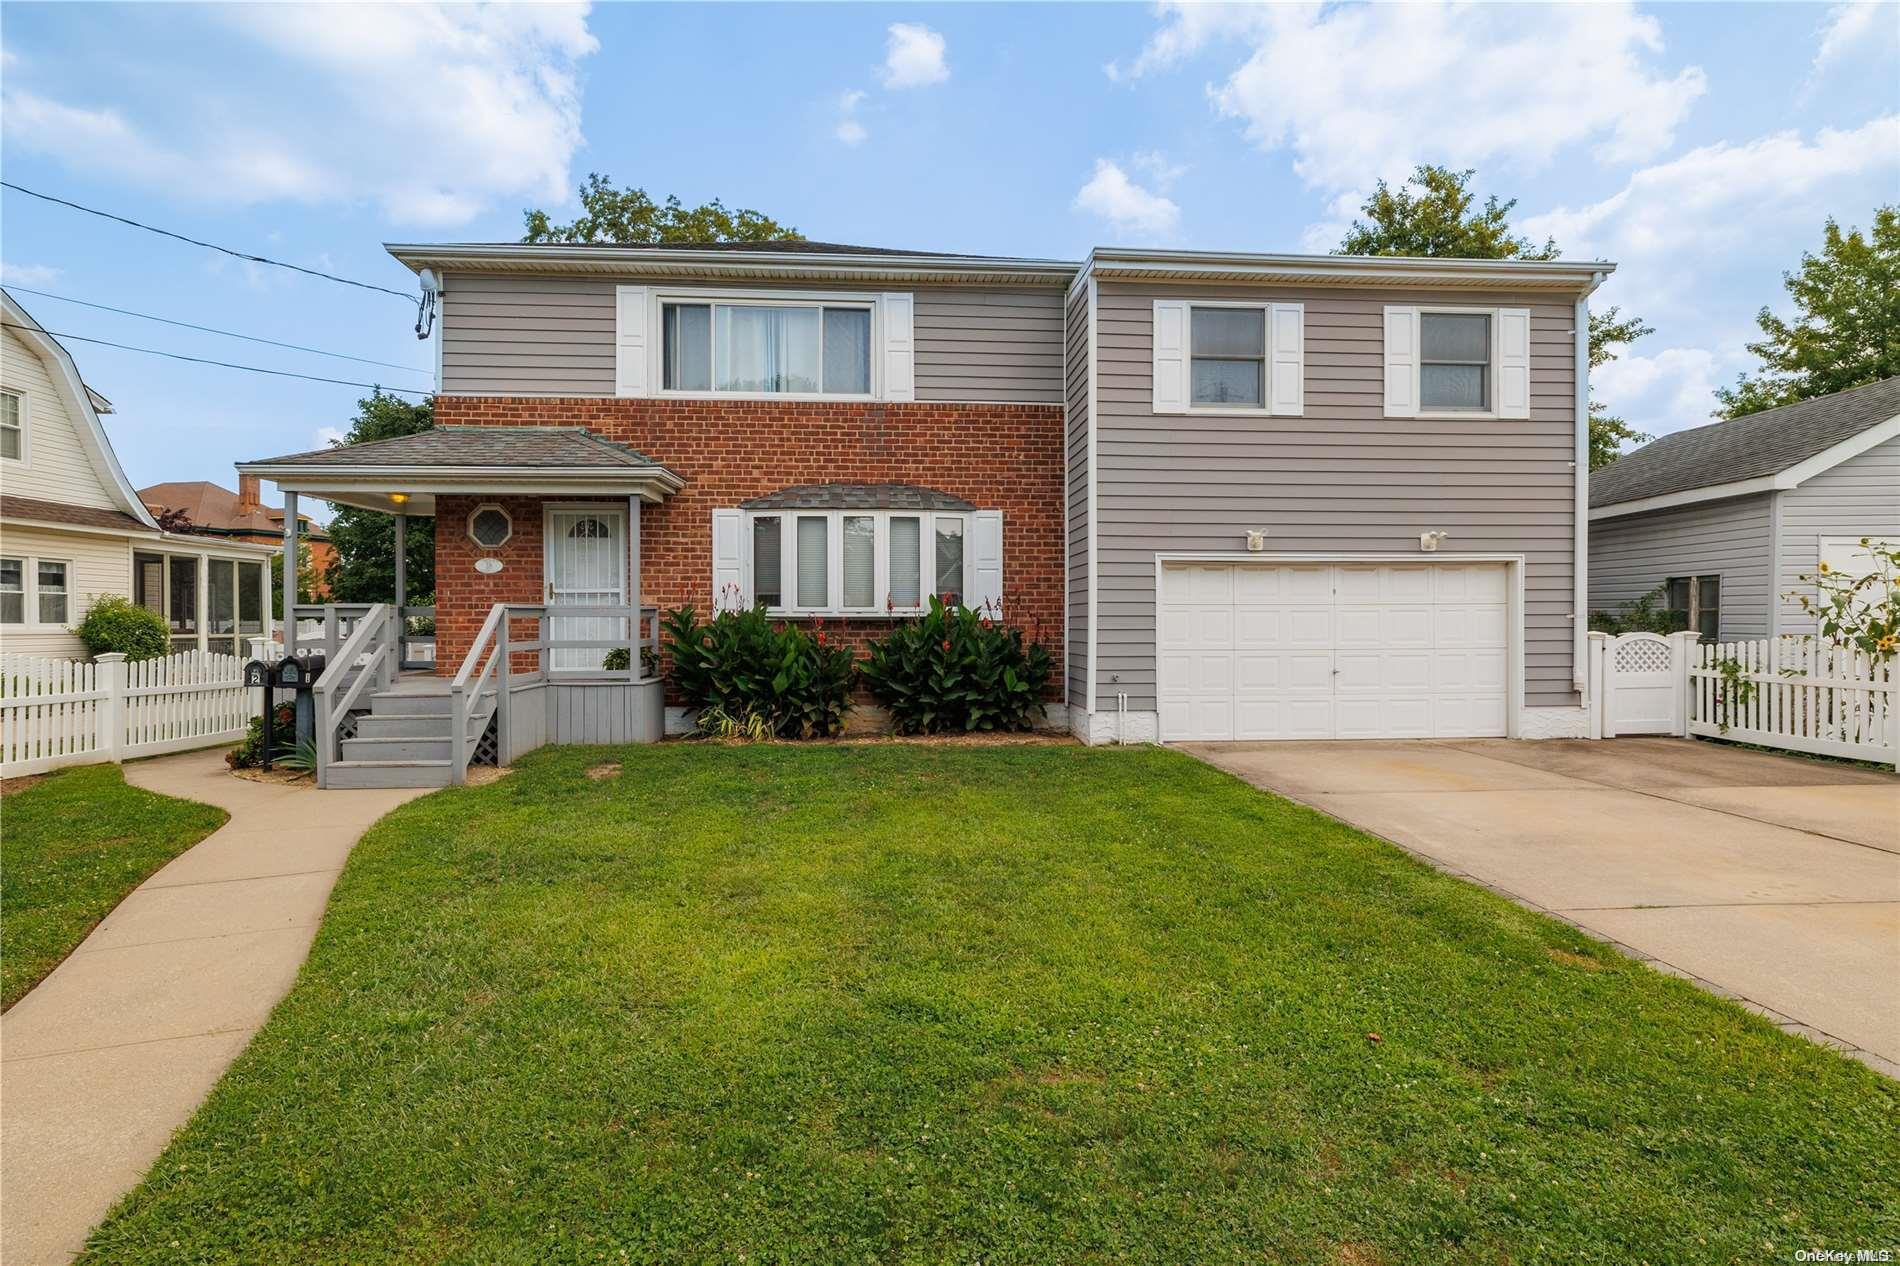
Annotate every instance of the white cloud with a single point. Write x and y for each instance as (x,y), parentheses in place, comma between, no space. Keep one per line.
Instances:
(848,129)
(1129,208)
(1669,391)
(430,111)
(1714,200)
(1467,85)
(913,56)
(1847,27)
(328,435)
(12,274)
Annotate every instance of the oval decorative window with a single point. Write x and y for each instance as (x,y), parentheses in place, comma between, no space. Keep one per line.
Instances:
(489,526)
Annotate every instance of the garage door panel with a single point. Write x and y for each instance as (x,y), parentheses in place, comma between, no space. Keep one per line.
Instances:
(1351,651)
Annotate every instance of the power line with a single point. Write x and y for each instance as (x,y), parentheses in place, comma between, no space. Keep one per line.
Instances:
(249,338)
(223,364)
(210,246)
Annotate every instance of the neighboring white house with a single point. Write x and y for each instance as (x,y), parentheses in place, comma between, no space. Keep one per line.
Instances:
(72,529)
(1727,518)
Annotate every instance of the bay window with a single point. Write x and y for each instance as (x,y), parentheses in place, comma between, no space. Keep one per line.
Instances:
(760,347)
(849,562)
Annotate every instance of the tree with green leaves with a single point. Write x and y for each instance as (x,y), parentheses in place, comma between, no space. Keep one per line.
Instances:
(1846,328)
(1435,213)
(306,580)
(365,540)
(629,215)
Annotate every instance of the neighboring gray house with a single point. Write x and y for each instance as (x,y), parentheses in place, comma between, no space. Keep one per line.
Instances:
(1727,518)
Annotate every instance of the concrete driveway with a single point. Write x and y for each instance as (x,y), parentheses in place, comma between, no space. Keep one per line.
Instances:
(1772,879)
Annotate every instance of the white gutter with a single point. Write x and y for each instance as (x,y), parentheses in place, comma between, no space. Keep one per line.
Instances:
(1580,464)
(1337,269)
(686,261)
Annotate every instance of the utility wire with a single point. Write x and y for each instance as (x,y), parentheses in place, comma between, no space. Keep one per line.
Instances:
(210,246)
(186,325)
(224,364)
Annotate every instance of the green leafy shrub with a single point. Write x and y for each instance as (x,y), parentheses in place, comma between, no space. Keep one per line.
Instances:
(958,668)
(118,624)
(249,754)
(1646,614)
(743,664)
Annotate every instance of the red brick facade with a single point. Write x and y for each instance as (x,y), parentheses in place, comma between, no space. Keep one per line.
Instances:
(1000,457)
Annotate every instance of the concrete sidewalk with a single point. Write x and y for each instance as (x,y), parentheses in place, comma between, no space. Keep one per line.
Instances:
(115,1050)
(1770,879)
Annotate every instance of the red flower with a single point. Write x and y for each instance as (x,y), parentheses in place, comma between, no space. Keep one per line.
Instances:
(946,643)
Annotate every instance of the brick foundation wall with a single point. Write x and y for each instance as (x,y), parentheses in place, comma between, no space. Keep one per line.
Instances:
(999,457)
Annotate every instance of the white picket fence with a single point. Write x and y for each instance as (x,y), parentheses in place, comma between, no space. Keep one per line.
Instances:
(1796,693)
(58,712)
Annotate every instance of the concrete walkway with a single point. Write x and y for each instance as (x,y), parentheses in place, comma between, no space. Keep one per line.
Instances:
(1767,878)
(117,1048)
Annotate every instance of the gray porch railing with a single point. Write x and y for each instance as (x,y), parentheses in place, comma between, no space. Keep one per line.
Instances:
(489,664)
(367,655)
(324,626)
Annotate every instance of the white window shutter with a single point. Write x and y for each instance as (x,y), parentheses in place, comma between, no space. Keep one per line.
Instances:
(630,340)
(1514,362)
(1401,362)
(1171,356)
(1287,350)
(985,564)
(728,553)
(897,312)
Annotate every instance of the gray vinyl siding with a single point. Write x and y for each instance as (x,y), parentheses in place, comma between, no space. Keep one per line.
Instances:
(1077,443)
(1342,479)
(1860,497)
(1733,539)
(554,336)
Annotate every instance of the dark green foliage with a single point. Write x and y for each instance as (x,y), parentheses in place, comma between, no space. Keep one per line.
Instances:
(743,664)
(365,540)
(1647,614)
(1846,327)
(114,623)
(628,215)
(249,754)
(956,669)
(74,843)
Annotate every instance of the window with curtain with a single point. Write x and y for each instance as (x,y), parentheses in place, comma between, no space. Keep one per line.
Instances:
(12,591)
(1228,350)
(767,559)
(12,435)
(907,577)
(1454,370)
(860,561)
(949,558)
(766,348)
(814,579)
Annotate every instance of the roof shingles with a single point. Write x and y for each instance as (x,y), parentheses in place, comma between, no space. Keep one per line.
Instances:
(535,447)
(1750,447)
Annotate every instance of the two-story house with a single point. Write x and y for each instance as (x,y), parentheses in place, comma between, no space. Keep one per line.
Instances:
(1238,496)
(72,530)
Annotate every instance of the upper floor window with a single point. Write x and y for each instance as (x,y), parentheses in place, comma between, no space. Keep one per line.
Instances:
(12,425)
(1228,355)
(761,348)
(1454,370)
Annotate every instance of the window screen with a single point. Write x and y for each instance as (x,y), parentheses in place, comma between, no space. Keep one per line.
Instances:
(1229,349)
(1454,360)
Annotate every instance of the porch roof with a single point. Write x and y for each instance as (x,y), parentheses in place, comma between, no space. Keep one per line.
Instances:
(540,460)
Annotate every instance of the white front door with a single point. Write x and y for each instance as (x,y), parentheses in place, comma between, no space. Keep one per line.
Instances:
(1318,651)
(586,565)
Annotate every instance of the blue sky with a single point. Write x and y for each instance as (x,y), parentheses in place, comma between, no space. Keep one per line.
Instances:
(1700,146)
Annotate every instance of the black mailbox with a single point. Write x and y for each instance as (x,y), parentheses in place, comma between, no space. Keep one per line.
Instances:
(291,672)
(257,673)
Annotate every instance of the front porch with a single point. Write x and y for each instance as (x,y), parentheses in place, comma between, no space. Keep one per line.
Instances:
(537,633)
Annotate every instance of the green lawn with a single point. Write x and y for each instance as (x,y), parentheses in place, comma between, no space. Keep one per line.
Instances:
(71,847)
(892,1003)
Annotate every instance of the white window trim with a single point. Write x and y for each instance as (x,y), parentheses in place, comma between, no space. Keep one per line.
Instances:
(25,460)
(30,595)
(834,560)
(71,571)
(1265,408)
(468,528)
(29,611)
(267,574)
(658,297)
(1491,364)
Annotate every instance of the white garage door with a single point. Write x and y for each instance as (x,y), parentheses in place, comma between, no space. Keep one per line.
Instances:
(1311,651)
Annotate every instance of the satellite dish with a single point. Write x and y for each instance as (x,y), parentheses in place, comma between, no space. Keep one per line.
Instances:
(488,566)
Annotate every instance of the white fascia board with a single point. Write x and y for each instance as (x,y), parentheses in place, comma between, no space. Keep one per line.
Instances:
(686,262)
(1581,275)
(1793,477)
(78,399)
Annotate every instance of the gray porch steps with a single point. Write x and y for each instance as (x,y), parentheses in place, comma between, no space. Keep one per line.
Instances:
(404,739)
